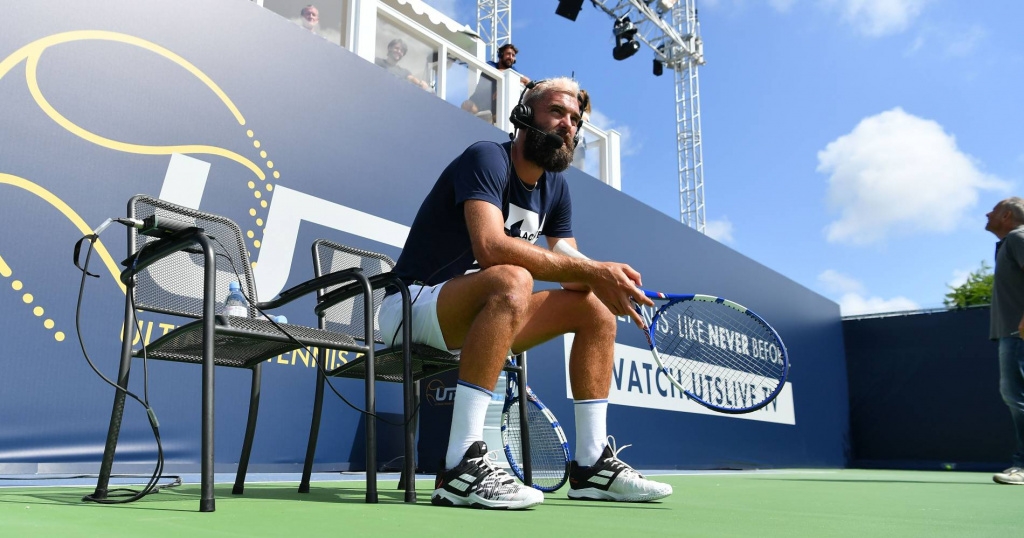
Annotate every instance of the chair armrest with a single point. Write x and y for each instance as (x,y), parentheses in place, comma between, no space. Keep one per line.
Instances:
(157,250)
(309,286)
(347,292)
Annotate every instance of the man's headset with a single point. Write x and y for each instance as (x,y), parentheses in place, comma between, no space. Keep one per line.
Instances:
(522,117)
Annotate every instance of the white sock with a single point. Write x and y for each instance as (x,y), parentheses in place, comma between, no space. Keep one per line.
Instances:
(591,430)
(468,415)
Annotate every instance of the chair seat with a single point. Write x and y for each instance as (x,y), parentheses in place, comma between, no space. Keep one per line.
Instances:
(388,364)
(234,345)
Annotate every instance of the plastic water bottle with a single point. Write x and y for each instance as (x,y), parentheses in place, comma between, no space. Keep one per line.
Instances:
(235,304)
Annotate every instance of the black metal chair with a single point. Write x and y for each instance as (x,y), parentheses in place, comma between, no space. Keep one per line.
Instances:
(186,273)
(405,363)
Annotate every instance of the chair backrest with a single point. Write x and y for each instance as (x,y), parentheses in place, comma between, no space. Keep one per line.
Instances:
(346,317)
(174,285)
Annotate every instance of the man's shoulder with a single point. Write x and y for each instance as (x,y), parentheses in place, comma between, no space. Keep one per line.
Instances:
(1016,235)
(487,149)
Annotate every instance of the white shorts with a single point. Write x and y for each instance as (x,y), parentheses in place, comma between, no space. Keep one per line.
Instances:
(425,327)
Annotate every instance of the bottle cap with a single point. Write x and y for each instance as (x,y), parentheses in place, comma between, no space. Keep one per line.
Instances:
(234,286)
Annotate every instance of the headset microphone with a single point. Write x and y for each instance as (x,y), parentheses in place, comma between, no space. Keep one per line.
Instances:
(551,140)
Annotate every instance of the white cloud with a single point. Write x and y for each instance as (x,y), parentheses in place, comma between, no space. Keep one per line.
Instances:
(853,304)
(854,301)
(965,43)
(719,230)
(836,282)
(915,46)
(959,277)
(781,5)
(875,18)
(897,173)
(627,146)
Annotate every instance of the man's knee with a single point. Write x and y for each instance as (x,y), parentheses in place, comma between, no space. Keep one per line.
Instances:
(600,318)
(513,286)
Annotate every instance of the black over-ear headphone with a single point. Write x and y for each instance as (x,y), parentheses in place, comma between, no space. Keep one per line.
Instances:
(522,117)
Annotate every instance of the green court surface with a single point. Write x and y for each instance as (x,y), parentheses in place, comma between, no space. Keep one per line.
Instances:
(795,503)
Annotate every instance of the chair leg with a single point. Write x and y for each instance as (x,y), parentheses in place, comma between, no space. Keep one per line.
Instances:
(371,395)
(408,479)
(524,421)
(114,431)
(250,431)
(314,431)
(371,432)
(206,499)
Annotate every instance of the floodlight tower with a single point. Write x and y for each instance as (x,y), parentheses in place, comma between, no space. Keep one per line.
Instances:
(677,45)
(494,24)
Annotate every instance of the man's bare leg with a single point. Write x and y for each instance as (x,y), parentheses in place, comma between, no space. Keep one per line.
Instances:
(481,313)
(558,312)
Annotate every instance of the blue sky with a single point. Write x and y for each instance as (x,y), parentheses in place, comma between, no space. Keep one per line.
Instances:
(853,146)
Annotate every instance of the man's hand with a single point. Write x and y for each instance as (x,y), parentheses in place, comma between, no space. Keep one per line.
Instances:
(617,286)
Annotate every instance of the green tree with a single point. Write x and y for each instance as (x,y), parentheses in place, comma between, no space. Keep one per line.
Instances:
(977,290)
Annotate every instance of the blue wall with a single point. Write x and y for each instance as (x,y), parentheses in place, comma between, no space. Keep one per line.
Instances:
(924,392)
(96,102)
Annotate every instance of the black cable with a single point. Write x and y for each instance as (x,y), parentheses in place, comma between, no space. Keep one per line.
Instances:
(152,485)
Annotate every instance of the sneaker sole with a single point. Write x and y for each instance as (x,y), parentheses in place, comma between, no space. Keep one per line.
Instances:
(442,497)
(1007,482)
(594,494)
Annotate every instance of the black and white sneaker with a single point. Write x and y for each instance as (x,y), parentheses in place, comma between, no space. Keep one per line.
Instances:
(611,479)
(476,482)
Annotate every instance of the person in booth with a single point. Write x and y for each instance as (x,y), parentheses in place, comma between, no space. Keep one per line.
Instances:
(397,49)
(470,261)
(309,18)
(484,97)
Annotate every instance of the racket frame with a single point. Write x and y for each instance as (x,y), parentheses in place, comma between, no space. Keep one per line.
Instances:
(524,471)
(673,299)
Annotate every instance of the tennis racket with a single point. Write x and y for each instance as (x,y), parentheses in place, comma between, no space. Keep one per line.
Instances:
(719,353)
(549,450)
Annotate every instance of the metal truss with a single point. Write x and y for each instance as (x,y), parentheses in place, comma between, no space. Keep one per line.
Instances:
(494,24)
(671,30)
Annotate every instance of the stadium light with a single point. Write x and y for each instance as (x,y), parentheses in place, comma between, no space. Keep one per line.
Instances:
(569,8)
(625,42)
(665,5)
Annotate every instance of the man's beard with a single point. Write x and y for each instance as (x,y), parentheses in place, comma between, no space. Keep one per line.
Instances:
(536,150)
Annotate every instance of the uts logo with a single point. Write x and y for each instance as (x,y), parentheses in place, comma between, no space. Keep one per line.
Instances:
(439,394)
(523,223)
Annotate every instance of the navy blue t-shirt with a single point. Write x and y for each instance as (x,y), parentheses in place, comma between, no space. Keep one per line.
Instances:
(438,247)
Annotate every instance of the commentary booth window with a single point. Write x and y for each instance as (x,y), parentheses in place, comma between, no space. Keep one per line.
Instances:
(406,57)
(472,89)
(323,18)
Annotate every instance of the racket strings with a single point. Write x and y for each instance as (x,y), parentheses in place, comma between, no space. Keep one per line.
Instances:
(714,348)
(547,455)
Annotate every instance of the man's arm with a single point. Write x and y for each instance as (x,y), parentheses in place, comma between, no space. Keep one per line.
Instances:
(567,247)
(613,283)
